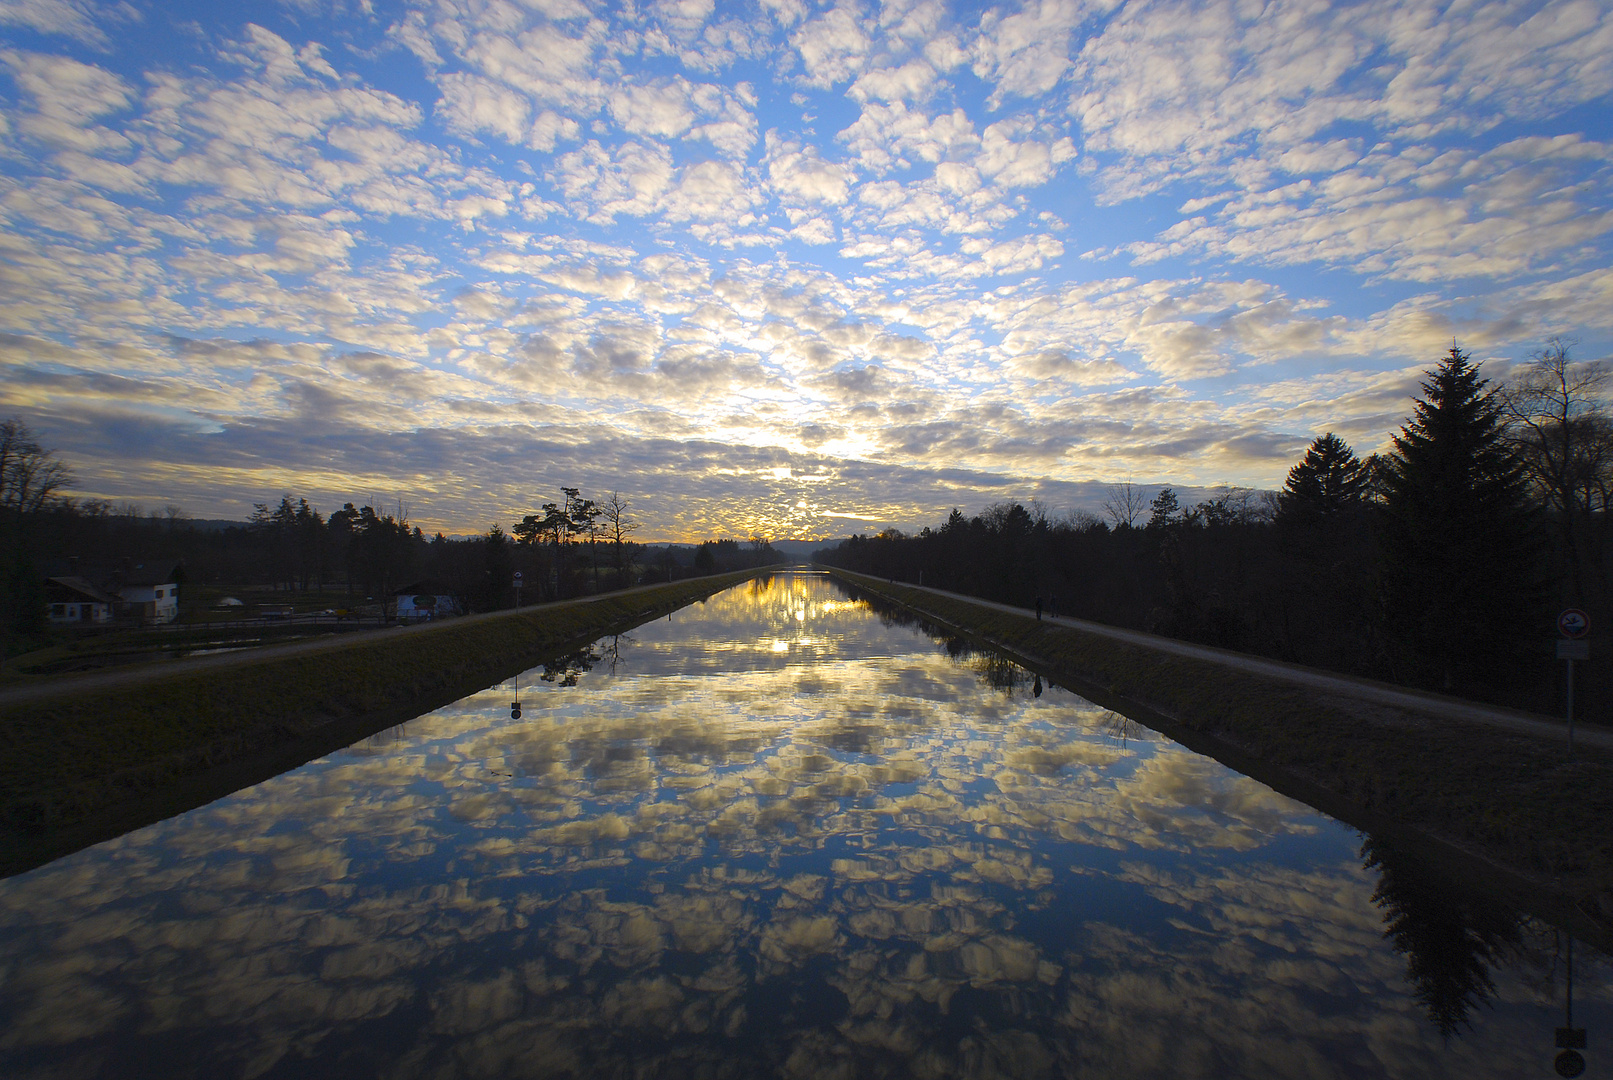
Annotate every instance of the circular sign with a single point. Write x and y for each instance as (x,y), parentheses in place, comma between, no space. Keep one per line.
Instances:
(1569,1063)
(1573,623)
(518,575)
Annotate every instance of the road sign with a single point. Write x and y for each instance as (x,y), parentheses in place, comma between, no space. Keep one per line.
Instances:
(1573,650)
(1573,623)
(518,577)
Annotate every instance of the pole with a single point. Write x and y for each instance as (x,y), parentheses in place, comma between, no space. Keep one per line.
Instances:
(1569,998)
(1570,708)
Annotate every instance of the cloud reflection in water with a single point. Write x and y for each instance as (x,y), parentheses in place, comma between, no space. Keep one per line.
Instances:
(701,853)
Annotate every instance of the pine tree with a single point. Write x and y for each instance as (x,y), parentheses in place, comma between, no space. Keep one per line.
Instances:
(1461,586)
(1163,510)
(1329,481)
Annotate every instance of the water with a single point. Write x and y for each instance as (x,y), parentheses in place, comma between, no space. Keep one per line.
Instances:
(778,834)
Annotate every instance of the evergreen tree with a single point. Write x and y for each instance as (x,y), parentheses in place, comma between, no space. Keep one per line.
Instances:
(1163,510)
(1329,481)
(1460,574)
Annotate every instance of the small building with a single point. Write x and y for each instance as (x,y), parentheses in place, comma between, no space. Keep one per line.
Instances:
(73,600)
(424,600)
(149,592)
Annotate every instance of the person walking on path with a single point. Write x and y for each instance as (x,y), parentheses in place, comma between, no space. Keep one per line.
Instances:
(1038,609)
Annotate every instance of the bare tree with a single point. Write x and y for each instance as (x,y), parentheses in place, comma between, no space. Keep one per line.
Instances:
(31,477)
(1123,504)
(1081,520)
(617,529)
(1558,423)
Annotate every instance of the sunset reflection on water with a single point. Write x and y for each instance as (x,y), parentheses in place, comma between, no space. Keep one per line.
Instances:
(778,833)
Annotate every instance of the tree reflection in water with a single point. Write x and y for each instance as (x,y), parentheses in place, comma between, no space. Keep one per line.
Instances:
(565,670)
(1449,939)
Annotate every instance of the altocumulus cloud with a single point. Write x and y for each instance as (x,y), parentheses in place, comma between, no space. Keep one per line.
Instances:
(775,266)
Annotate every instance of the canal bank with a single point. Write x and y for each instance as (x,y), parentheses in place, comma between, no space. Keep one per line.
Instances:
(1503,803)
(84,759)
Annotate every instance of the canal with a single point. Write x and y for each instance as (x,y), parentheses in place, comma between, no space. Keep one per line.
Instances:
(780,833)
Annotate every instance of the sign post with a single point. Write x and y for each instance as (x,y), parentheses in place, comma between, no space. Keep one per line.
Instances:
(518,590)
(1573,624)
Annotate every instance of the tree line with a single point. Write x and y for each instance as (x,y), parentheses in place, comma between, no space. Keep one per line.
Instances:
(358,555)
(1440,563)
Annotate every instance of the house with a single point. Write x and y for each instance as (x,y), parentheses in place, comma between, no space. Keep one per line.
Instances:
(148,591)
(75,600)
(424,600)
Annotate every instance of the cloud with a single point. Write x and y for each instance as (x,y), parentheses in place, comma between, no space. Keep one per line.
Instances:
(76,19)
(1026,53)
(1031,248)
(834,46)
(801,174)
(884,136)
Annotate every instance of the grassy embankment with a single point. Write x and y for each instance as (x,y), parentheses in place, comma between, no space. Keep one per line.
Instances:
(1539,828)
(79,766)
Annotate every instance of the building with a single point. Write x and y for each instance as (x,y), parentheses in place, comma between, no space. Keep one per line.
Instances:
(149,591)
(73,600)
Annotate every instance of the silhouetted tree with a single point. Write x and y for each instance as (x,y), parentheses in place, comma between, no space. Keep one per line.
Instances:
(382,552)
(1162,511)
(31,479)
(1460,552)
(498,569)
(1560,429)
(1123,504)
(617,530)
(1330,481)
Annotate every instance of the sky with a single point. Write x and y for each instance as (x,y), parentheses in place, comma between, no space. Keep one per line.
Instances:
(777,267)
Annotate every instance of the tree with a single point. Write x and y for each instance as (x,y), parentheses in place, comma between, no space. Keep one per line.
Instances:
(558,525)
(617,529)
(31,479)
(381,552)
(498,569)
(584,515)
(1329,481)
(1460,574)
(1559,427)
(30,476)
(1162,511)
(1123,504)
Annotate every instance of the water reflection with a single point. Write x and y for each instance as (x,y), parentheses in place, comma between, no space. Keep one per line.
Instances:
(779,835)
(1450,942)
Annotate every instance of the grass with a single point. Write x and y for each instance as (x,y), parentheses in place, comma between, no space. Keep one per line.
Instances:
(1512,801)
(70,761)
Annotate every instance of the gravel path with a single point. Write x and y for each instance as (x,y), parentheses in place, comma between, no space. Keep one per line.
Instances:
(1343,685)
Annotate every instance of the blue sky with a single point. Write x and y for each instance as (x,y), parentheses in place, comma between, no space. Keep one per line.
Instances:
(783,267)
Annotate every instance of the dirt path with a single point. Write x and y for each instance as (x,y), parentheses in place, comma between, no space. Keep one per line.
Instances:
(1347,686)
(124,678)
